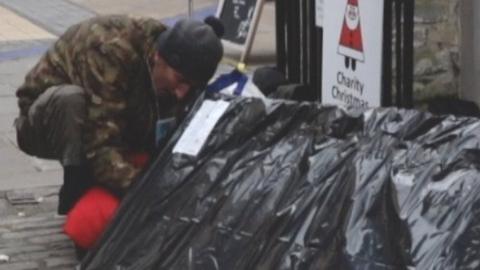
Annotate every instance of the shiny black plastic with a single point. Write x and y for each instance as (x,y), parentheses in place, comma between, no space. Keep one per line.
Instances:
(286,185)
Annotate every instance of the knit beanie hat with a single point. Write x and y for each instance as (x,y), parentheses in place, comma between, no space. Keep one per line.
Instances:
(193,48)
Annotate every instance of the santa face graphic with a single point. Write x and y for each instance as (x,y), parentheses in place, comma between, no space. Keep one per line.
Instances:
(351,42)
(352,17)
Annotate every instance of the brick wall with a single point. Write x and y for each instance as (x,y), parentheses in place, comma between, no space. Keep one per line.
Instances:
(436,49)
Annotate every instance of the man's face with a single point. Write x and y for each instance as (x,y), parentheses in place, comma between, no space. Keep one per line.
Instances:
(167,81)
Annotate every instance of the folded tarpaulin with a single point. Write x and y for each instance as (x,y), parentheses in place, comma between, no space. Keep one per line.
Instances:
(259,184)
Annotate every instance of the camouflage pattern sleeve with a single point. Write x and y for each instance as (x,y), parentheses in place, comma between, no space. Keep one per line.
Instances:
(46,73)
(103,56)
(106,66)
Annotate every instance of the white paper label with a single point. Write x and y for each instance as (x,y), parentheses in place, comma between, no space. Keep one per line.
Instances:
(202,124)
(319,13)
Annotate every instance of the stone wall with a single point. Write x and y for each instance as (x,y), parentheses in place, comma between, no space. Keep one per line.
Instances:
(436,49)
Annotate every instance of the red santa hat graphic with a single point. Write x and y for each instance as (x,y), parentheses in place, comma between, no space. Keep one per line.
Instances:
(351,44)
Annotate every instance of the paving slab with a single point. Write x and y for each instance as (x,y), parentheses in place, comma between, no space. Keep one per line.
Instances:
(12,73)
(8,105)
(14,27)
(32,235)
(53,15)
(6,123)
(19,170)
(15,160)
(147,8)
(23,49)
(31,179)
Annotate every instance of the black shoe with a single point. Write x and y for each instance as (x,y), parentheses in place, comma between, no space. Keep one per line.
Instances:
(76,181)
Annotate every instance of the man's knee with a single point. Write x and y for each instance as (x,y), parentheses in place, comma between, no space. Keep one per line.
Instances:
(54,121)
(57,103)
(67,98)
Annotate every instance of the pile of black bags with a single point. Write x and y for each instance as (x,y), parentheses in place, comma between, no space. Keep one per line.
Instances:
(285,185)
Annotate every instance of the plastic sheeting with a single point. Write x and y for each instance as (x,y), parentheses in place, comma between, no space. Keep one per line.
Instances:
(284,185)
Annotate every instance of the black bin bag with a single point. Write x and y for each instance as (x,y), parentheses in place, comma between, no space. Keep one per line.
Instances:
(286,185)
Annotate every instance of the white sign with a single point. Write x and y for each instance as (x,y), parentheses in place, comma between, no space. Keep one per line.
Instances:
(352,52)
(202,124)
(319,13)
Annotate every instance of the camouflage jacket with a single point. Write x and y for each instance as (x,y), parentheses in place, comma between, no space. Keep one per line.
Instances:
(108,56)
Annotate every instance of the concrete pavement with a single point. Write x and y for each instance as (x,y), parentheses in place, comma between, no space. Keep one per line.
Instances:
(30,232)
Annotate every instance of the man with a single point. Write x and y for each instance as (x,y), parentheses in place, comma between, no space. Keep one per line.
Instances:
(94,98)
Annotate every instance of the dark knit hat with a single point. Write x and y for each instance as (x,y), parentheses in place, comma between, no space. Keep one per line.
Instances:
(193,48)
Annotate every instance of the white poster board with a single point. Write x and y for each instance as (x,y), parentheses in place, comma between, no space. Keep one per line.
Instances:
(352,52)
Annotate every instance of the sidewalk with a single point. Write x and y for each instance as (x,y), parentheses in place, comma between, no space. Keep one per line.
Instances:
(31,234)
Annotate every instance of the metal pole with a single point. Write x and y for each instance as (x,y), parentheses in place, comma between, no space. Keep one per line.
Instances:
(387,55)
(293,41)
(319,60)
(190,8)
(280,19)
(304,44)
(408,48)
(399,56)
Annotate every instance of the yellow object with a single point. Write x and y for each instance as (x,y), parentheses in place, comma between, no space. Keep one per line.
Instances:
(241,67)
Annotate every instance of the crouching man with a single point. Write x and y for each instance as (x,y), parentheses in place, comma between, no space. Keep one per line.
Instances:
(93,100)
